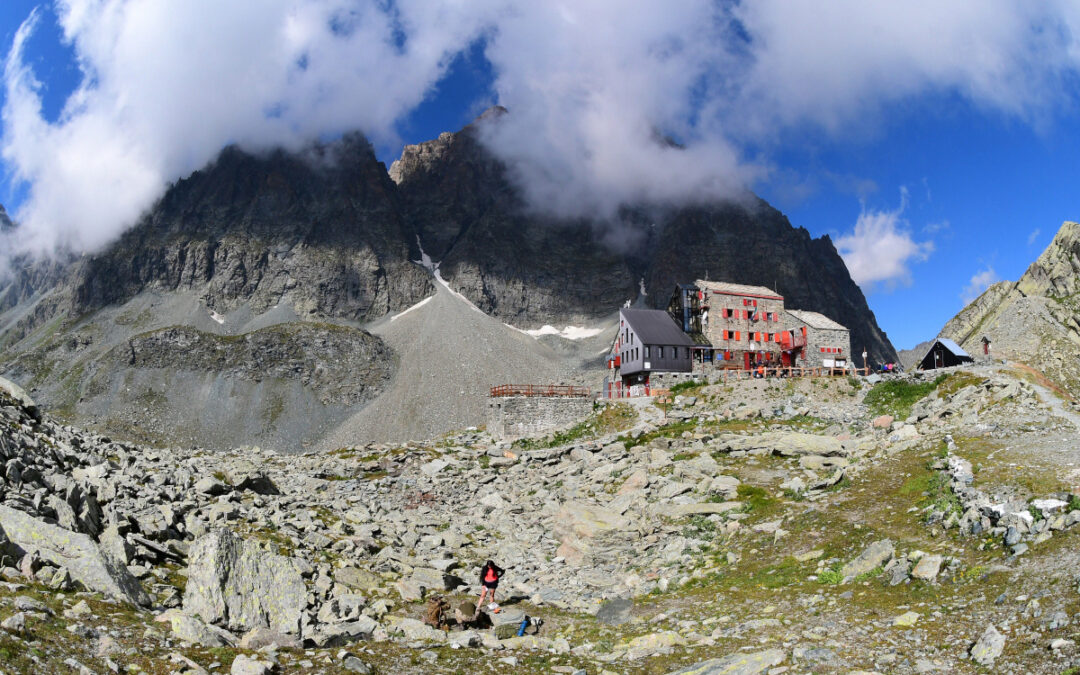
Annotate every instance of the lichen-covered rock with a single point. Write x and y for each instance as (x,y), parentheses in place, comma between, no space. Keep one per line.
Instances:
(989,647)
(85,561)
(873,556)
(234,584)
(194,631)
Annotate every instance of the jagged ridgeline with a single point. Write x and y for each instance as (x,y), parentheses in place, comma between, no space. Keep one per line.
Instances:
(1035,320)
(307,256)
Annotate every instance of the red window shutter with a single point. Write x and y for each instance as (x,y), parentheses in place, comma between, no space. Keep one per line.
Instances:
(776,316)
(804,331)
(822,350)
(755,302)
(736,335)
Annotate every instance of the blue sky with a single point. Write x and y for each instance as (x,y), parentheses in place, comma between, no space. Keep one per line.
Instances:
(934,173)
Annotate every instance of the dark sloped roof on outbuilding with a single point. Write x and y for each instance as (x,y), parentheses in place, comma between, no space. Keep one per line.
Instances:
(656,327)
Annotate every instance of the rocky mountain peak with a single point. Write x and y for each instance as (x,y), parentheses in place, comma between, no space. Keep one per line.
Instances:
(1056,273)
(1033,320)
(420,157)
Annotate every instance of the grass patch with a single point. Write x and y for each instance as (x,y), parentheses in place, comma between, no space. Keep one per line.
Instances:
(683,387)
(958,381)
(1074,503)
(754,498)
(934,490)
(830,576)
(898,397)
(867,576)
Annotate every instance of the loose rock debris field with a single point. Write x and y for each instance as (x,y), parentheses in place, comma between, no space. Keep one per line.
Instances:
(757,527)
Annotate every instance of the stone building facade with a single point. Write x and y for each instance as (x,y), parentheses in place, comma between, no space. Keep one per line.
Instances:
(740,323)
(741,327)
(512,417)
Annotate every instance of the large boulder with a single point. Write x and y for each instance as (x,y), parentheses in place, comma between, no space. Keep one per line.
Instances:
(580,526)
(15,392)
(89,564)
(788,444)
(235,584)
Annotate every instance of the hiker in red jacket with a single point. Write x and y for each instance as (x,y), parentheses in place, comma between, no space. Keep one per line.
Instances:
(490,574)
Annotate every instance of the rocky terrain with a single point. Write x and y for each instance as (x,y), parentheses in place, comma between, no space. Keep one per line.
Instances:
(1035,319)
(329,236)
(761,526)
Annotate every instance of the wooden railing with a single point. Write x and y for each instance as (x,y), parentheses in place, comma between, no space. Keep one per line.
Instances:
(791,371)
(546,390)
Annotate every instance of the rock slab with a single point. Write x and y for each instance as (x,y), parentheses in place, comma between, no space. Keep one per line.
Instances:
(989,647)
(872,557)
(87,563)
(234,584)
(736,664)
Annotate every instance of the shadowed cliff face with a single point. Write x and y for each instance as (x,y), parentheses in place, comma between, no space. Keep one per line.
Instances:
(529,270)
(321,232)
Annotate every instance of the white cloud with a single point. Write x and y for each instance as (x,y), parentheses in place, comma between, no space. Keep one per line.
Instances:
(1033,236)
(881,249)
(591,87)
(978,283)
(166,85)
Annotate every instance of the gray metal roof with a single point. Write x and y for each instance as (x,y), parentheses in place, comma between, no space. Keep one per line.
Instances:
(655,327)
(815,319)
(952,347)
(737,289)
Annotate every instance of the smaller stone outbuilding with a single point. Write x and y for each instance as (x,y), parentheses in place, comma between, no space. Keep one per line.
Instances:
(518,410)
(944,353)
(828,344)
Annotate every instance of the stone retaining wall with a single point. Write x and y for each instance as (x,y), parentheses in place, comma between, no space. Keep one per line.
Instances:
(517,416)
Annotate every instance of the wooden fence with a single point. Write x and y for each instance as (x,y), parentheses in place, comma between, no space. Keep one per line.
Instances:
(545,390)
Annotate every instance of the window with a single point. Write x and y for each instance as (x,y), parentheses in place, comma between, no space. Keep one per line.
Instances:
(647,352)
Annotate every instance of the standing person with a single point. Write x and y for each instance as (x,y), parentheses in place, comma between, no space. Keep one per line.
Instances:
(490,574)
